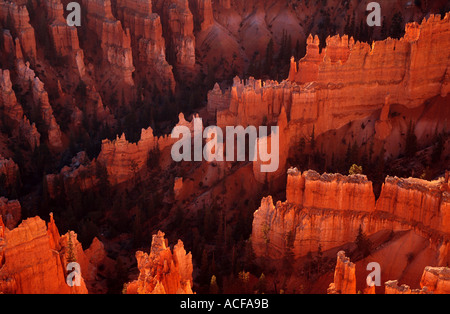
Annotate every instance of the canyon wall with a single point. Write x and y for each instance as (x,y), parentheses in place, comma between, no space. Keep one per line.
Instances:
(115,42)
(344,82)
(33,259)
(435,280)
(19,23)
(10,212)
(344,276)
(13,114)
(163,271)
(64,37)
(147,41)
(328,210)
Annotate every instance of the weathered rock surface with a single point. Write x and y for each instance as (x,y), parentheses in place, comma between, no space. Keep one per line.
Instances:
(436,280)
(64,37)
(9,173)
(179,23)
(10,212)
(17,15)
(163,271)
(147,41)
(115,41)
(41,100)
(346,81)
(344,276)
(13,114)
(124,160)
(327,210)
(32,262)
(33,259)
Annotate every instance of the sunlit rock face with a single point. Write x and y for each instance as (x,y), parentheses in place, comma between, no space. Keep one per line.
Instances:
(344,276)
(20,20)
(163,271)
(344,82)
(34,256)
(147,41)
(327,210)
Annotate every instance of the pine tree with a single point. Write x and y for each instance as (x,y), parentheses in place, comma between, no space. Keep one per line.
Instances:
(313,138)
(70,250)
(363,243)
(411,141)
(213,287)
(269,57)
(262,283)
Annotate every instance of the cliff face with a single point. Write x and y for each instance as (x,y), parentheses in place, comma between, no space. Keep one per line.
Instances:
(147,41)
(13,115)
(9,171)
(346,81)
(41,100)
(163,271)
(435,280)
(178,22)
(32,262)
(124,160)
(33,259)
(344,276)
(115,41)
(327,210)
(417,201)
(64,37)
(19,20)
(10,212)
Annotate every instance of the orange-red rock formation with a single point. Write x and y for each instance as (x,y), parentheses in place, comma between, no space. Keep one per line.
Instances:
(33,259)
(9,172)
(54,134)
(435,280)
(13,114)
(115,41)
(147,40)
(344,82)
(163,271)
(327,210)
(203,10)
(64,37)
(10,212)
(179,21)
(344,276)
(20,25)
(124,160)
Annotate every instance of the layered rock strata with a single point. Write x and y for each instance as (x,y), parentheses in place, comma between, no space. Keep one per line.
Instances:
(115,42)
(344,82)
(344,276)
(328,210)
(13,114)
(147,40)
(19,23)
(33,259)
